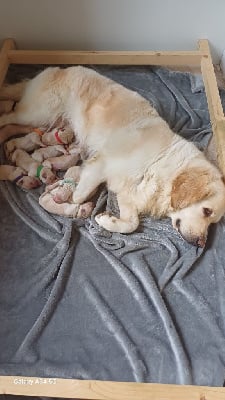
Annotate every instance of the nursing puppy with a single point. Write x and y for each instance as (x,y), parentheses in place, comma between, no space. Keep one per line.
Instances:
(28,143)
(58,136)
(151,169)
(62,163)
(50,151)
(18,176)
(57,197)
(33,168)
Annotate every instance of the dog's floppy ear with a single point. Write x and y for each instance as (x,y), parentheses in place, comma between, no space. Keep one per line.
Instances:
(189,187)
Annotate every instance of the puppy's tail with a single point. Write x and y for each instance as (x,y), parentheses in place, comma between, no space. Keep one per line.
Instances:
(14,91)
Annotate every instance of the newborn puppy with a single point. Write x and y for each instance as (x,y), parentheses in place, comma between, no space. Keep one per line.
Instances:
(25,161)
(51,151)
(62,163)
(62,190)
(65,209)
(58,136)
(28,143)
(18,176)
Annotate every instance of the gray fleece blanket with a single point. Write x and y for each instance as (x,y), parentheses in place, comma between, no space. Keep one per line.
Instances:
(80,302)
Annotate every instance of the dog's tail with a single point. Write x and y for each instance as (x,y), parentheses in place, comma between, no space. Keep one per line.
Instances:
(14,91)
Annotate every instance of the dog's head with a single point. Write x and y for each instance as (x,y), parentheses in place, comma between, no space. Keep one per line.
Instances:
(197,200)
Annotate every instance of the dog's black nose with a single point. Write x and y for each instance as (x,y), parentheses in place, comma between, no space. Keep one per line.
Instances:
(200,242)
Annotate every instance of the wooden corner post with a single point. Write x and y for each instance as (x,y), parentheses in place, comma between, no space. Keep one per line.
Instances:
(8,44)
(214,103)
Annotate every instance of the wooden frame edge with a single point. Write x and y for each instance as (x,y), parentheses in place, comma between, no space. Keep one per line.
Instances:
(91,389)
(101,390)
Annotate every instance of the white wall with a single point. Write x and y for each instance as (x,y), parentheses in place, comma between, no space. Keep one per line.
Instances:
(114,24)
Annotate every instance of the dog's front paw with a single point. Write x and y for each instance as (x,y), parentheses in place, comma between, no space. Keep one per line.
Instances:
(107,221)
(77,199)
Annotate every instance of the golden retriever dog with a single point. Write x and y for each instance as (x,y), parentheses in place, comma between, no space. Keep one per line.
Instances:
(131,148)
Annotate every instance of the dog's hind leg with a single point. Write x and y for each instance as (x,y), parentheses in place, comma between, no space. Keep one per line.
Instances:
(10,130)
(17,117)
(13,92)
(128,220)
(26,114)
(10,118)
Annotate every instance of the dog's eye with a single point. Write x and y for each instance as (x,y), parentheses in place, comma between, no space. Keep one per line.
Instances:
(207,211)
(178,221)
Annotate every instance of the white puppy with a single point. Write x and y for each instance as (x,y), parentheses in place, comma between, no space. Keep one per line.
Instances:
(50,151)
(150,168)
(62,163)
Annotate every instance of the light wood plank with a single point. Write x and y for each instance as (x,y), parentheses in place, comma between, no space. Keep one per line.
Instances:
(105,57)
(101,390)
(214,103)
(8,44)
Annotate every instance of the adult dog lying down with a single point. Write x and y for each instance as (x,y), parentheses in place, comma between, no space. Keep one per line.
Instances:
(131,148)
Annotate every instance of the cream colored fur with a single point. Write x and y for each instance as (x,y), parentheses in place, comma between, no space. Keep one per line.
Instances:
(130,147)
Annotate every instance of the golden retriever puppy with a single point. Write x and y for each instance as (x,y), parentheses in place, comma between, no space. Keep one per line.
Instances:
(132,149)
(50,151)
(64,188)
(33,168)
(62,163)
(57,198)
(65,209)
(58,136)
(18,176)
(28,143)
